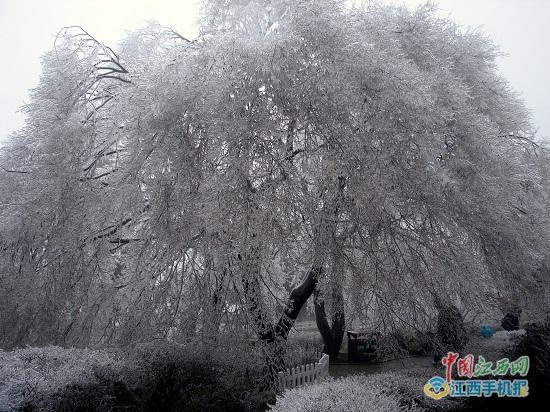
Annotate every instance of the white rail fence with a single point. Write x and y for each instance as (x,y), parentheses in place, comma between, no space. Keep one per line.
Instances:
(304,374)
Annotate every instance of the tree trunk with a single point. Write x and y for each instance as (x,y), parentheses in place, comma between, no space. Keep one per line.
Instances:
(298,297)
(279,333)
(332,335)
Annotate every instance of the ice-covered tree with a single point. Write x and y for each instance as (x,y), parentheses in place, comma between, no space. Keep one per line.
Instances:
(373,156)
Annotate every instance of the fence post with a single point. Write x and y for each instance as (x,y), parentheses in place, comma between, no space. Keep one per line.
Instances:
(304,374)
(282,381)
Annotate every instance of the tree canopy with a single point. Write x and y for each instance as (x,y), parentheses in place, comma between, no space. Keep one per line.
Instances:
(178,185)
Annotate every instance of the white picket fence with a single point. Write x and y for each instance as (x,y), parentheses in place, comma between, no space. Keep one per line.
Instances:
(304,374)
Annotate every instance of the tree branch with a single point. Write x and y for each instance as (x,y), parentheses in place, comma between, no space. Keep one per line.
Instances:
(14,171)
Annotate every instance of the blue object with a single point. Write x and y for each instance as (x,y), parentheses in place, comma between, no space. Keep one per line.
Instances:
(486,331)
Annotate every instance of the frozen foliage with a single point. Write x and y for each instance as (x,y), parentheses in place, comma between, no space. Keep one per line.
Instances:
(37,376)
(535,342)
(450,332)
(157,376)
(378,392)
(179,188)
(350,394)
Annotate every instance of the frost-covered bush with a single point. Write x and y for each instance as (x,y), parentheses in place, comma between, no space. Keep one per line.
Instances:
(411,342)
(451,332)
(35,377)
(154,376)
(197,377)
(377,392)
(348,394)
(303,350)
(535,343)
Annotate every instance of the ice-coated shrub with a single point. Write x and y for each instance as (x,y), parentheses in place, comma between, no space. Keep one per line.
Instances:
(407,342)
(450,332)
(377,392)
(535,343)
(35,377)
(199,377)
(146,377)
(303,350)
(347,394)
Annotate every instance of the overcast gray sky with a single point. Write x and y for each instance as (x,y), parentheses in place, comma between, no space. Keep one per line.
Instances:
(28,27)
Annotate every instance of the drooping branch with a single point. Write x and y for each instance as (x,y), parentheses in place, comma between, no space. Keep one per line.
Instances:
(253,294)
(107,67)
(13,171)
